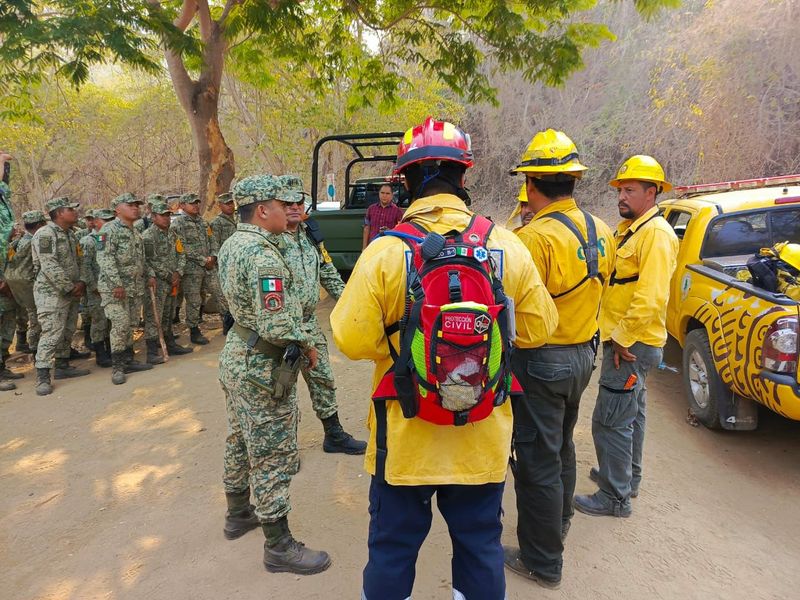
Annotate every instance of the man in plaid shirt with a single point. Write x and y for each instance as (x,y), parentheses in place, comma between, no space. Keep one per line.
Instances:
(382,215)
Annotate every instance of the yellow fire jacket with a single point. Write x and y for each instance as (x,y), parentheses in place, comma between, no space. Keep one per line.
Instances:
(419,452)
(558,256)
(634,304)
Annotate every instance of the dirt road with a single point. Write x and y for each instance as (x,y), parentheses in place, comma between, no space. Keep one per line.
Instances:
(114,492)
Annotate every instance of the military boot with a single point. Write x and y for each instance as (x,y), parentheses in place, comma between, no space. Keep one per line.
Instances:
(43,385)
(6,386)
(241,516)
(22,342)
(154,353)
(173,348)
(64,370)
(131,364)
(75,354)
(197,337)
(102,357)
(284,554)
(118,368)
(337,440)
(87,334)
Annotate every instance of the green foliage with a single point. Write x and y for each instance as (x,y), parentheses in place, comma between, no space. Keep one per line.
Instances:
(367,44)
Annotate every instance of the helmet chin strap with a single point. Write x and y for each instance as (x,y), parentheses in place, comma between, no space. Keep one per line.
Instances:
(428,176)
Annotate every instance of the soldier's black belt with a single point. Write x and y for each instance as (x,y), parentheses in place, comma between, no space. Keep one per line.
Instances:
(252,339)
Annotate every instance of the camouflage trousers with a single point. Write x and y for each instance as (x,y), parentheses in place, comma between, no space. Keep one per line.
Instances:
(261,445)
(58,318)
(165,305)
(319,380)
(94,313)
(192,284)
(27,320)
(124,316)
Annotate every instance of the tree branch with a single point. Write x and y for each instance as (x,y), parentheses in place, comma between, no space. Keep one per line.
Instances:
(188,11)
(204,17)
(228,8)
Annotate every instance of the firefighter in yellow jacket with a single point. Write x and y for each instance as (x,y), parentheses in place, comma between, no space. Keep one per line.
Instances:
(633,331)
(464,466)
(574,253)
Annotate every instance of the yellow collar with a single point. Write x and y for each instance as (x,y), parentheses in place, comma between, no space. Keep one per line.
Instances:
(628,225)
(561,206)
(424,207)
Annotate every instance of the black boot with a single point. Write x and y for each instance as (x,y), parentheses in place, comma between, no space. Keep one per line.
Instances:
(241,516)
(118,368)
(154,353)
(64,370)
(87,334)
(6,386)
(102,357)
(284,554)
(132,365)
(197,337)
(22,342)
(338,440)
(75,354)
(43,385)
(173,348)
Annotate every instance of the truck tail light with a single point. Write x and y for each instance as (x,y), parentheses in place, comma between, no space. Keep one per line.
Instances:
(780,346)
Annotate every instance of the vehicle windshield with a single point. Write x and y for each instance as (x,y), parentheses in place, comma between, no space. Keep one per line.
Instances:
(747,233)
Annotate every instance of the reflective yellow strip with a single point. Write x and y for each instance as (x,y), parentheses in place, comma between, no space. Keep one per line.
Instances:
(449,131)
(408,136)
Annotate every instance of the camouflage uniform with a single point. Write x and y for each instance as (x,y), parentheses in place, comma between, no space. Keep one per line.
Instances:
(222,227)
(164,255)
(120,256)
(198,243)
(20,275)
(57,261)
(261,446)
(90,273)
(8,307)
(311,266)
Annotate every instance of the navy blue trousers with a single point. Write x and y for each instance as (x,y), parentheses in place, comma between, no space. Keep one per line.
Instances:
(400,518)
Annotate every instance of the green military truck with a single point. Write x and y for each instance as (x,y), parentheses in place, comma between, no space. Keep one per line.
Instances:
(342,225)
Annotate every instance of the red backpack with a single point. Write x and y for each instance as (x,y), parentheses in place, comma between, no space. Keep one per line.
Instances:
(454,362)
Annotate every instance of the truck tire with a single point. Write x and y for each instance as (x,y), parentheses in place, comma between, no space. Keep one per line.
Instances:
(705,390)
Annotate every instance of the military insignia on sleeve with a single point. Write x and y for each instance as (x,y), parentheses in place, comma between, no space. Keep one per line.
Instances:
(208,231)
(271,288)
(11,253)
(325,256)
(149,249)
(45,245)
(100,241)
(78,250)
(178,246)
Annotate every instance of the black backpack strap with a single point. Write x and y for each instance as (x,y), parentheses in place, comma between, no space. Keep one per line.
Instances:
(588,245)
(614,280)
(380,439)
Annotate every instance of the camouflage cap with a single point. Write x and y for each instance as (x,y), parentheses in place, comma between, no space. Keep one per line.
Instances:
(88,214)
(189,198)
(33,216)
(160,208)
(225,198)
(293,186)
(126,198)
(62,202)
(104,213)
(153,198)
(261,188)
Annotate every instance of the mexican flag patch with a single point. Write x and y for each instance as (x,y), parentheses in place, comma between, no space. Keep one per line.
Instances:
(271,283)
(100,238)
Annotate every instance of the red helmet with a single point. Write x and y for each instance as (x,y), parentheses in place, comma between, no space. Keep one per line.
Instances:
(433,140)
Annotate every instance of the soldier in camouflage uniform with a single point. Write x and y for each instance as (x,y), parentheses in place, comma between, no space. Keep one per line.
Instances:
(305,255)
(93,313)
(57,292)
(20,276)
(224,224)
(123,273)
(201,263)
(261,401)
(164,254)
(7,304)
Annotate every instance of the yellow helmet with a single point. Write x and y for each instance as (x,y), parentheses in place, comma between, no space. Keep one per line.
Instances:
(642,168)
(549,153)
(523,193)
(789,253)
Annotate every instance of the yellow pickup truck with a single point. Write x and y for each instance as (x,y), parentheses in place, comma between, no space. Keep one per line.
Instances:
(740,342)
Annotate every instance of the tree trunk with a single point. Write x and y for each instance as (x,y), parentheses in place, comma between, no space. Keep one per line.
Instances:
(200,101)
